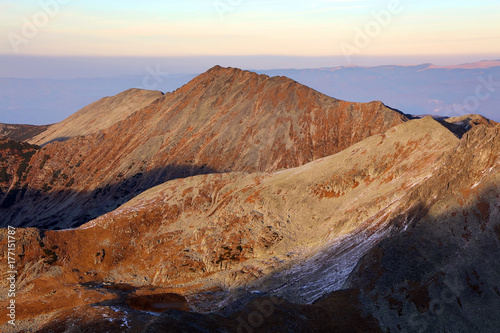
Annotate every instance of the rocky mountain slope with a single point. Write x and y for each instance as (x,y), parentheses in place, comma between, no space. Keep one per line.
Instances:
(14,164)
(295,233)
(443,273)
(223,120)
(421,89)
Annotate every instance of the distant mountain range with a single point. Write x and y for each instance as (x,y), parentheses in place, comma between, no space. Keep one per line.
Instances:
(423,89)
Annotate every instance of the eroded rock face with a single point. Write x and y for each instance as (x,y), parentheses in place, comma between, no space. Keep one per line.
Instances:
(290,234)
(442,274)
(223,120)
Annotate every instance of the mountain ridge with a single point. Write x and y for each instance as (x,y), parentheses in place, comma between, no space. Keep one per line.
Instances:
(257,123)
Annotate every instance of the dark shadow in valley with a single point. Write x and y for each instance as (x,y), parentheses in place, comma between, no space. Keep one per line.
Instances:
(54,210)
(458,130)
(126,296)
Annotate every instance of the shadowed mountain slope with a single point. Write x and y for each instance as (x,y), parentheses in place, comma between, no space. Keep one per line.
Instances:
(463,124)
(21,132)
(443,273)
(14,163)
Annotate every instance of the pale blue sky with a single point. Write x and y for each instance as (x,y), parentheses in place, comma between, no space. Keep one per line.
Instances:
(308,28)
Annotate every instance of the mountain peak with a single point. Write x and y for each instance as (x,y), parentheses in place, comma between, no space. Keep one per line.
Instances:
(232,73)
(219,70)
(21,132)
(228,72)
(225,119)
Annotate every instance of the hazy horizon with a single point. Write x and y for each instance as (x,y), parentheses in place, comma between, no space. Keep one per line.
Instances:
(38,67)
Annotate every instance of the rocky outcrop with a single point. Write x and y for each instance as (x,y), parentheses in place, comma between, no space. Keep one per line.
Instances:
(223,120)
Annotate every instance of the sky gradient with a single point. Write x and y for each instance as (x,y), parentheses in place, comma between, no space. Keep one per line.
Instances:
(77,39)
(347,30)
